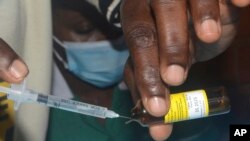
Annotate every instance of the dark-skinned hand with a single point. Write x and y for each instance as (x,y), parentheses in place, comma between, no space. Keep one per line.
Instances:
(165,37)
(12,67)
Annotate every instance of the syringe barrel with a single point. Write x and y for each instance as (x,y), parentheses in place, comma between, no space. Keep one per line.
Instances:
(73,106)
(56,102)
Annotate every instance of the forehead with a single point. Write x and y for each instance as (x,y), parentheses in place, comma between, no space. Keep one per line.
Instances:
(80,6)
(83,8)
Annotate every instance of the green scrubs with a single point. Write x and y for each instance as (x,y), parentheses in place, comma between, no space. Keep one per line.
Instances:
(68,126)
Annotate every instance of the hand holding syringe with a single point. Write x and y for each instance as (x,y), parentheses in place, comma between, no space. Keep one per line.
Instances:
(20,94)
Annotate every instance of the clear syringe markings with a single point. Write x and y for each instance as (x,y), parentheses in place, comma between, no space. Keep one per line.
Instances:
(75,106)
(29,96)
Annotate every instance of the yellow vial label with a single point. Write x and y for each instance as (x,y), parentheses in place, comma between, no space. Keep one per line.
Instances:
(187,105)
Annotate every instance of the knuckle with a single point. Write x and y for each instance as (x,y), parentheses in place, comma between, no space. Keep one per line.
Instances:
(150,76)
(165,2)
(169,4)
(226,2)
(176,53)
(141,36)
(176,44)
(175,48)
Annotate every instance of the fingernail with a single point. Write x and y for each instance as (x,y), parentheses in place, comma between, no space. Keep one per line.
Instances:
(209,26)
(247,2)
(157,106)
(174,75)
(18,69)
(241,3)
(210,31)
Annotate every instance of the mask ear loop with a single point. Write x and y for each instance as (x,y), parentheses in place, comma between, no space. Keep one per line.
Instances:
(58,56)
(59,42)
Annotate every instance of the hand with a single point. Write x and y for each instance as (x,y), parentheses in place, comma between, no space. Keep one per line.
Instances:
(12,68)
(163,45)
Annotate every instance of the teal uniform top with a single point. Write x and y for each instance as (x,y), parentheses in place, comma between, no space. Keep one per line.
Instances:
(68,126)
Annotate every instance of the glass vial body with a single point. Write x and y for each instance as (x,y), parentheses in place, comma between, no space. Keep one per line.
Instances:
(187,105)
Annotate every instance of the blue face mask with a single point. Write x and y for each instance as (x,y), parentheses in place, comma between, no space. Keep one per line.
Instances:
(99,63)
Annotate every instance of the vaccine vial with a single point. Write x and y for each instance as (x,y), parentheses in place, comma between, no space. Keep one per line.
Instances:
(186,106)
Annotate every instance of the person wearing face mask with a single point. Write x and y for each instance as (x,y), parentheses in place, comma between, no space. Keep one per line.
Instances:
(108,59)
(90,55)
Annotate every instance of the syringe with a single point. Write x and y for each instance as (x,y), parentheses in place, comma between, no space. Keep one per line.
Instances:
(30,96)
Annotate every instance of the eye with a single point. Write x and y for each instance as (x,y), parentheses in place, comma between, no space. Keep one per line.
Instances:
(84,28)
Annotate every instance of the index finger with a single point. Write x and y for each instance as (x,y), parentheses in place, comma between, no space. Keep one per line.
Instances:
(140,34)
